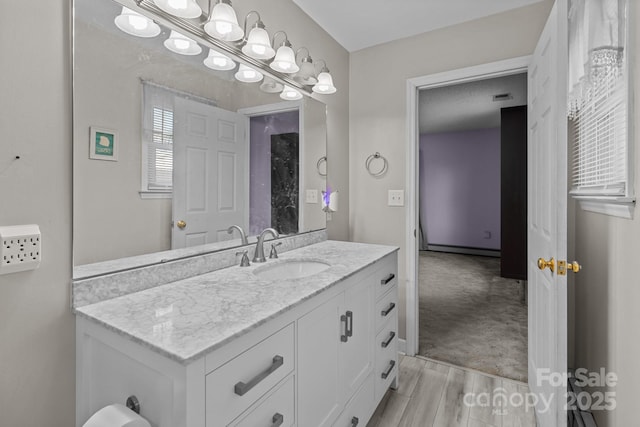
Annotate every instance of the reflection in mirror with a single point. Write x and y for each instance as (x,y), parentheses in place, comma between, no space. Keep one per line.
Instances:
(169,154)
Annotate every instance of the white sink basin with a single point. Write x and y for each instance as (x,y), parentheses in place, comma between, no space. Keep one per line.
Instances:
(290,269)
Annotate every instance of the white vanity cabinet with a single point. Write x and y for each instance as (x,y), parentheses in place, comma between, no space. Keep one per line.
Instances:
(325,362)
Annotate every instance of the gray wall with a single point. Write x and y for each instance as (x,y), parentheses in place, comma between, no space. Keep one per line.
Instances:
(37,347)
(378,108)
(460,188)
(37,353)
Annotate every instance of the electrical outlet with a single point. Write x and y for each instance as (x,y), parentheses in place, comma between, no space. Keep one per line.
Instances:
(20,248)
(396,198)
(312,196)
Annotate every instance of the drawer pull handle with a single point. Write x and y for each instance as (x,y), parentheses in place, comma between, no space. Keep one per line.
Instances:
(349,323)
(387,279)
(277,420)
(345,337)
(389,369)
(354,421)
(388,310)
(386,343)
(243,388)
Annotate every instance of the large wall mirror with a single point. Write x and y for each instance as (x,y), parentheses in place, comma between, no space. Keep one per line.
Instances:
(169,154)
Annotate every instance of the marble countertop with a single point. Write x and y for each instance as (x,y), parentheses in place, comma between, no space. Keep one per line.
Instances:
(187,319)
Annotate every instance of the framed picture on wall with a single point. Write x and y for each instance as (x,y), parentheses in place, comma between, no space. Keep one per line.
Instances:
(103,144)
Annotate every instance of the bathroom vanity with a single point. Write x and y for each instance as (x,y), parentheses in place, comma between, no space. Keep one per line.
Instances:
(309,339)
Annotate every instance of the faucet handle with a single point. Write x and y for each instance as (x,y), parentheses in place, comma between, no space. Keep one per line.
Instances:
(274,254)
(244,262)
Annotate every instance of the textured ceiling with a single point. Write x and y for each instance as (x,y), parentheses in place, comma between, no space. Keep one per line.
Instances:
(469,106)
(357,24)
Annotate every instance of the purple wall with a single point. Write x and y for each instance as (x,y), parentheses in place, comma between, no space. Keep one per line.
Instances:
(460,188)
(261,129)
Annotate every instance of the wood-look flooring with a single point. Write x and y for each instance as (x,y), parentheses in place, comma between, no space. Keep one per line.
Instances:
(432,394)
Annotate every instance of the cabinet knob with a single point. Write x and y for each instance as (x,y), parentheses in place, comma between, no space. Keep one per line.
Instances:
(354,421)
(277,420)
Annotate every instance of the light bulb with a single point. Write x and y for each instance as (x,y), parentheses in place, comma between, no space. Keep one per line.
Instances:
(258,49)
(178,4)
(138,22)
(223,27)
(181,44)
(135,24)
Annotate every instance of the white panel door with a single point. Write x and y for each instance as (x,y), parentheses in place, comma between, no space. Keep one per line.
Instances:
(547,222)
(320,388)
(356,361)
(209,173)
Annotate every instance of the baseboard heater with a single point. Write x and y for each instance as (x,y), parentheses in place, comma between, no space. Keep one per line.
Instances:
(576,416)
(464,250)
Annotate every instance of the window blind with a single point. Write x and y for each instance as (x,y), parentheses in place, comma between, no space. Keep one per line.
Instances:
(600,142)
(598,99)
(157,147)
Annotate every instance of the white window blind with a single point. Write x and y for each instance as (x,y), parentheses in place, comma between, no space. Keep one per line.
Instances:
(598,99)
(157,147)
(600,142)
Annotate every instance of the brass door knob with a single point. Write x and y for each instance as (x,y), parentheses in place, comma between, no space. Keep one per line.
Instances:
(574,266)
(181,224)
(551,264)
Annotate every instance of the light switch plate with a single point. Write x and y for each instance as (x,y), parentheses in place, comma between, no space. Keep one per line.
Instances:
(396,198)
(20,248)
(311,196)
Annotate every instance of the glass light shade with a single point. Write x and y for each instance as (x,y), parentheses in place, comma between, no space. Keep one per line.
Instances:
(290,94)
(285,61)
(258,45)
(325,84)
(306,74)
(218,61)
(271,86)
(183,45)
(248,75)
(180,8)
(223,24)
(135,24)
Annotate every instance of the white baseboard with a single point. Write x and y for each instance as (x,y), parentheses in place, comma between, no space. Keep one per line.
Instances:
(464,251)
(402,345)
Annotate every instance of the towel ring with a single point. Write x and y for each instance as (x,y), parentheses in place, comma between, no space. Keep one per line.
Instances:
(322,160)
(370,159)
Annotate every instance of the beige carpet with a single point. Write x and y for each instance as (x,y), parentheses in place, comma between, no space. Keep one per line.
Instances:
(470,316)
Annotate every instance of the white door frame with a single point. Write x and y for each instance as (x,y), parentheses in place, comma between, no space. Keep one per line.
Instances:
(463,75)
(280,107)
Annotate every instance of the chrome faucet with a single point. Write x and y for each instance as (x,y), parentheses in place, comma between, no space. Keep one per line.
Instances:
(243,236)
(259,252)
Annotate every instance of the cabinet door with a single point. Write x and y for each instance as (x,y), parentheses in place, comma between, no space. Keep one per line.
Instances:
(319,385)
(357,353)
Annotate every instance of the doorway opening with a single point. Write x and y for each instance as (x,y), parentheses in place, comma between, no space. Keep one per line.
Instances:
(414,86)
(472,208)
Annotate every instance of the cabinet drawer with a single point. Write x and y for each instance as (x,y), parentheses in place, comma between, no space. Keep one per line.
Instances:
(386,275)
(386,307)
(360,407)
(386,358)
(237,384)
(276,410)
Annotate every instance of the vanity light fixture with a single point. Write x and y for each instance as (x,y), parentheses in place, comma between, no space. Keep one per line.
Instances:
(269,85)
(135,24)
(324,85)
(223,23)
(258,45)
(249,45)
(181,44)
(248,75)
(307,73)
(180,8)
(290,94)
(285,60)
